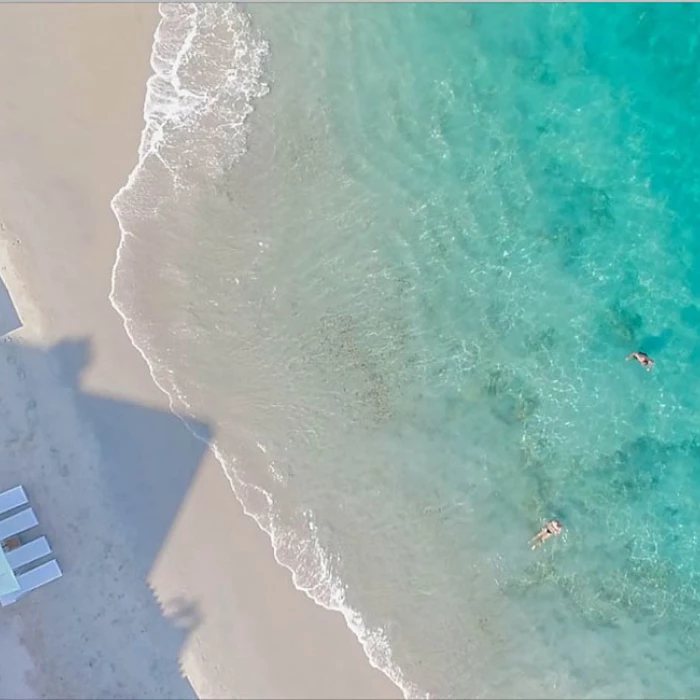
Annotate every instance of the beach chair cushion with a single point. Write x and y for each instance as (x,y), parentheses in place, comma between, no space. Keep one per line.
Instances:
(24,520)
(33,579)
(13,498)
(27,553)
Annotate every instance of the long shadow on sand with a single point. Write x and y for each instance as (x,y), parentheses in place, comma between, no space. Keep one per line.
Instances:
(9,318)
(107,478)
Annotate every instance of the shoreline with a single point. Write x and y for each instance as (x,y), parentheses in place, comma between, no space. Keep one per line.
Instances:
(135,507)
(372,641)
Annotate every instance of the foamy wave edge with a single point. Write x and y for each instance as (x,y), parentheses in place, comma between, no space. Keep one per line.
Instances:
(373,641)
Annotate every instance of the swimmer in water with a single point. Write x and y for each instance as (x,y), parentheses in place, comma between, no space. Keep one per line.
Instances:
(643,359)
(551,529)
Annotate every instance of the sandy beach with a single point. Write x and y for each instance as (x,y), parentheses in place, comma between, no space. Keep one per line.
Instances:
(169,590)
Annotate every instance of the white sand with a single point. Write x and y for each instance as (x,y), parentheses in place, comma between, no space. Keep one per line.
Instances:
(163,574)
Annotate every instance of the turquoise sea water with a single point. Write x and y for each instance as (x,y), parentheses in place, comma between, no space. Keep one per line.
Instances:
(404,290)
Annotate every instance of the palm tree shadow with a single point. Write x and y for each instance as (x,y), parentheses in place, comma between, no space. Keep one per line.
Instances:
(151,457)
(107,478)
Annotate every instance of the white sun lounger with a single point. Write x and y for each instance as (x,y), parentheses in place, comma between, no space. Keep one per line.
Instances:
(15,524)
(27,553)
(13,498)
(33,579)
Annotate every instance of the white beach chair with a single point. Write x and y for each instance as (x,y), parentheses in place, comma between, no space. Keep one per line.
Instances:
(27,553)
(13,498)
(33,579)
(24,520)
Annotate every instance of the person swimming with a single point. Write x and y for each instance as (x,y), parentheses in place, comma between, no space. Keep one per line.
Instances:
(642,358)
(551,529)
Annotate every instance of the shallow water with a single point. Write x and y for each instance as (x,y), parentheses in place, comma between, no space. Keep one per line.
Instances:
(404,290)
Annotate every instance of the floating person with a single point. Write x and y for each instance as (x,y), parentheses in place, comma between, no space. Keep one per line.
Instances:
(551,529)
(643,359)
